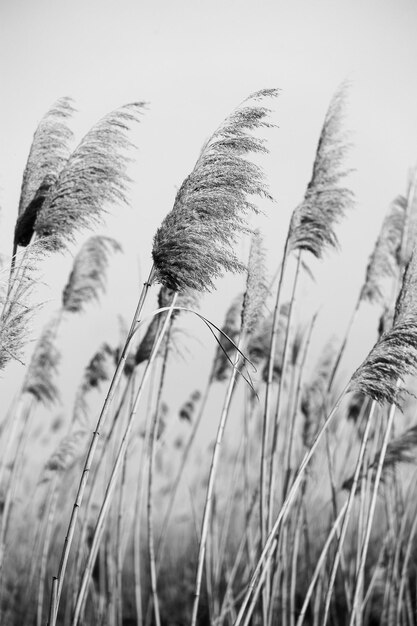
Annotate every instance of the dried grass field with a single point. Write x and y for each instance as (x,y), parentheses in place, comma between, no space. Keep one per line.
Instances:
(301,508)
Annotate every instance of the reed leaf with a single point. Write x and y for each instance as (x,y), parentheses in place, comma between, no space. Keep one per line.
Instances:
(326,200)
(94,176)
(88,276)
(194,244)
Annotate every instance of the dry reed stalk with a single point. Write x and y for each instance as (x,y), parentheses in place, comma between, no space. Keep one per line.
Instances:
(356,597)
(215,373)
(255,597)
(320,563)
(324,204)
(404,571)
(226,524)
(119,544)
(238,558)
(139,502)
(270,543)
(151,456)
(263,511)
(251,310)
(210,487)
(297,397)
(50,516)
(179,474)
(93,444)
(294,563)
(347,514)
(114,474)
(11,487)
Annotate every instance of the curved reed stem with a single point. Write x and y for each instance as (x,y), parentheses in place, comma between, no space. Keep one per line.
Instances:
(346,517)
(152,445)
(278,411)
(114,475)
(210,487)
(266,416)
(173,493)
(50,516)
(356,597)
(92,448)
(343,345)
(320,563)
(268,549)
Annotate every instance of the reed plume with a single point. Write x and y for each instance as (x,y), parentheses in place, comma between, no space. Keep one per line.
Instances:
(231,328)
(256,287)
(188,409)
(48,154)
(399,450)
(94,176)
(325,201)
(394,356)
(87,279)
(260,342)
(98,371)
(314,395)
(194,244)
(70,448)
(254,294)
(41,374)
(18,309)
(409,206)
(384,260)
(144,349)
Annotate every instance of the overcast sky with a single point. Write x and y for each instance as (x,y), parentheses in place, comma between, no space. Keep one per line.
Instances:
(193,62)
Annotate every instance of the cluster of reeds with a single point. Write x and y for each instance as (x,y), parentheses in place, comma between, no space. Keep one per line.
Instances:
(302,508)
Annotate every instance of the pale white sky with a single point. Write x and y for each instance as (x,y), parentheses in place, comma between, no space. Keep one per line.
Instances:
(194,61)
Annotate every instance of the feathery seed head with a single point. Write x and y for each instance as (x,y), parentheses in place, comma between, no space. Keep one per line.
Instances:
(256,287)
(260,341)
(394,356)
(49,151)
(187,410)
(384,260)
(194,244)
(97,371)
(39,380)
(68,451)
(88,276)
(18,306)
(93,176)
(326,200)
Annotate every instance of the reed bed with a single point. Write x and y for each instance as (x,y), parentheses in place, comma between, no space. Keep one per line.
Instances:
(302,508)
